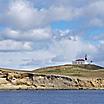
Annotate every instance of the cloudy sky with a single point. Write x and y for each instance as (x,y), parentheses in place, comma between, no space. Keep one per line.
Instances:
(37,33)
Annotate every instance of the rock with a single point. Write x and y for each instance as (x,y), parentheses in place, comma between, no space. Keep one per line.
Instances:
(20,80)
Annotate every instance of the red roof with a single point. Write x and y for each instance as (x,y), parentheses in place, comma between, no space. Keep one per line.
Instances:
(80,60)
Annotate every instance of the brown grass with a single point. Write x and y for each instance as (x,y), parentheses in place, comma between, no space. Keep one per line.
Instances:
(74,70)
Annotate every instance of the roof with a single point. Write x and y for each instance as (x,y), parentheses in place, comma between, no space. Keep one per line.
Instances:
(80,60)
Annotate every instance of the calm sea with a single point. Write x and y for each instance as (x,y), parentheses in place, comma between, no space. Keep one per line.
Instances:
(52,97)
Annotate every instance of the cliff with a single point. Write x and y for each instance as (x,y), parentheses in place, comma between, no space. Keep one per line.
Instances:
(58,77)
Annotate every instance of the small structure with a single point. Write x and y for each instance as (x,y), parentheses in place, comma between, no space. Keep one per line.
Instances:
(80,61)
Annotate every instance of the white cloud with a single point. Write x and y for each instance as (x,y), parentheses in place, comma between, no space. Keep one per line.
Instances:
(24,24)
(93,13)
(41,33)
(25,59)
(98,55)
(65,48)
(22,15)
(96,22)
(10,45)
(69,47)
(29,35)
(62,13)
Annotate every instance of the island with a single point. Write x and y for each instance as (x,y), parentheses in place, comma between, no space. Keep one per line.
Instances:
(69,76)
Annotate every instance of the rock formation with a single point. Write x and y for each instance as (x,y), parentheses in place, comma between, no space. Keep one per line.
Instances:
(30,80)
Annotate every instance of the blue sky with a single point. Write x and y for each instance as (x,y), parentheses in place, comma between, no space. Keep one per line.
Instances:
(37,33)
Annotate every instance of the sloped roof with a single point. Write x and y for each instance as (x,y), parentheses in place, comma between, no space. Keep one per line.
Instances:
(80,60)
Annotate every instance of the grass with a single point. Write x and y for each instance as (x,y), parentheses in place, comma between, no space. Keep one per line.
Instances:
(88,71)
(74,70)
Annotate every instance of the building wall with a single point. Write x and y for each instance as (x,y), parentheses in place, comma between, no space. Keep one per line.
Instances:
(78,62)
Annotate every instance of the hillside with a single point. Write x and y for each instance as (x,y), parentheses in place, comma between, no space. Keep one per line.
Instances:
(74,70)
(55,77)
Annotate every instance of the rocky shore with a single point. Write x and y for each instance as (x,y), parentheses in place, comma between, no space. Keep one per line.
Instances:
(28,80)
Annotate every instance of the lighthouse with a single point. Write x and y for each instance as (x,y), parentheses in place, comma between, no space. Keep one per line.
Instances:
(86,59)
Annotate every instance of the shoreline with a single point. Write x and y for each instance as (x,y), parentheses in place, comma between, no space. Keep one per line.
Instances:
(66,77)
(29,88)
(50,89)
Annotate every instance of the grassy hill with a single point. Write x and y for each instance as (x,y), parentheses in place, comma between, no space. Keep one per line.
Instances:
(54,77)
(88,71)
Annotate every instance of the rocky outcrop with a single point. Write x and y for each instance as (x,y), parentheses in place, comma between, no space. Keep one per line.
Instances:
(27,80)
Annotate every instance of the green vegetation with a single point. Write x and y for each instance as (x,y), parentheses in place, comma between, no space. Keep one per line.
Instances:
(74,70)
(88,71)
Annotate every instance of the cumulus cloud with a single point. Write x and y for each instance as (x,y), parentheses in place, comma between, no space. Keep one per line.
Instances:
(98,56)
(64,47)
(70,49)
(10,45)
(22,15)
(93,13)
(29,35)
(61,51)
(25,59)
(26,25)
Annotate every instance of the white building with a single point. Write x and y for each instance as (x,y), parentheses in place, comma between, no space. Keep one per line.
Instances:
(80,61)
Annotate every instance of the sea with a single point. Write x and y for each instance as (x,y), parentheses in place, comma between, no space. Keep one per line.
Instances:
(52,97)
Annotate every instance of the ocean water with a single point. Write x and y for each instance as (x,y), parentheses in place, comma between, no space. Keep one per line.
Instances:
(52,97)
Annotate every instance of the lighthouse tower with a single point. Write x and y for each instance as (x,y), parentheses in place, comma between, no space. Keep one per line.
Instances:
(86,59)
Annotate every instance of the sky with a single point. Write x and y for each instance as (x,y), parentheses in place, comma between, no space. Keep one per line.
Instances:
(38,33)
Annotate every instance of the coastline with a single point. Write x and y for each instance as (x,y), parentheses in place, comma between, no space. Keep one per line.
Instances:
(64,79)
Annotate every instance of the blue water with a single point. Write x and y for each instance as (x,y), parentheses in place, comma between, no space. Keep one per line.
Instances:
(52,97)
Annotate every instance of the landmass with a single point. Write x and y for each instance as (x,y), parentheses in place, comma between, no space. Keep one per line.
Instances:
(55,77)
